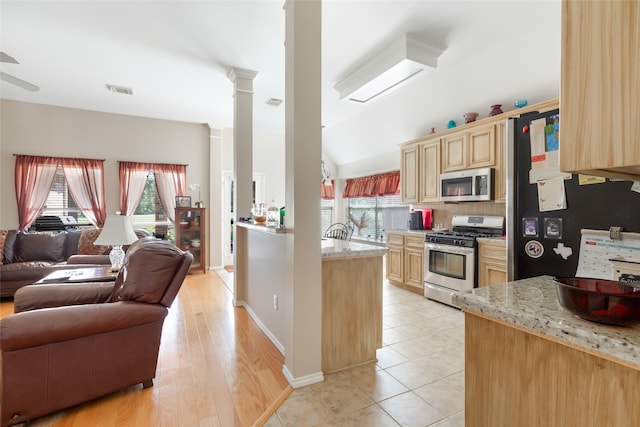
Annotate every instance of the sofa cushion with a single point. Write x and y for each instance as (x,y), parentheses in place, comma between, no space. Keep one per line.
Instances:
(40,247)
(3,237)
(147,270)
(85,243)
(9,246)
(71,244)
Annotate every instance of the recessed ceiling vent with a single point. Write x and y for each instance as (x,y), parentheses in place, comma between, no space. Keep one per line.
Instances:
(120,89)
(274,102)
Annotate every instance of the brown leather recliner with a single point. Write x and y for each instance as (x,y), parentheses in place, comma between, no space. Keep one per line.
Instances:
(70,343)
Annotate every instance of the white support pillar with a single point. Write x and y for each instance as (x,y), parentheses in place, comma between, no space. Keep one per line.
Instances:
(216,203)
(242,149)
(303,358)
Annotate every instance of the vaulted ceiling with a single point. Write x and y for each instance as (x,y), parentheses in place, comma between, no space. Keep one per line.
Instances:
(176,56)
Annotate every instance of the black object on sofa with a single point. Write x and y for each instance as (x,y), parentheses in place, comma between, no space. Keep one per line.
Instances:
(28,257)
(71,343)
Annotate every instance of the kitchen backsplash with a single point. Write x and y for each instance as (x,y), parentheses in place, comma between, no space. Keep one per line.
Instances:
(443,212)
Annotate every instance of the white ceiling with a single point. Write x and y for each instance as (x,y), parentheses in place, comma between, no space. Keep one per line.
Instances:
(176,56)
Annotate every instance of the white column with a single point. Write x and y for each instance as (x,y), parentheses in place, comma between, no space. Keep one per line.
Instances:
(242,151)
(303,156)
(216,204)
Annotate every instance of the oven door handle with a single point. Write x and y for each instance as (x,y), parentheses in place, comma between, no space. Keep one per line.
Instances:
(450,249)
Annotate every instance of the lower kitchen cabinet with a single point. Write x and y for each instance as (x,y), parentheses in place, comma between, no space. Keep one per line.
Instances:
(405,260)
(395,260)
(492,262)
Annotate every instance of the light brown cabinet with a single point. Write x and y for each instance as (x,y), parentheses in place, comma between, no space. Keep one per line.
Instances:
(475,145)
(600,83)
(492,262)
(429,167)
(420,172)
(469,149)
(395,257)
(454,151)
(413,262)
(405,260)
(409,174)
(190,235)
(500,186)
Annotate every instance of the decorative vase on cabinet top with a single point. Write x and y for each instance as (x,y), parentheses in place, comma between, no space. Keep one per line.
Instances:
(470,117)
(495,110)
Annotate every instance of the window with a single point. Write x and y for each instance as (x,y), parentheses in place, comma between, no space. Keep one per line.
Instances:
(377,214)
(150,214)
(326,215)
(60,203)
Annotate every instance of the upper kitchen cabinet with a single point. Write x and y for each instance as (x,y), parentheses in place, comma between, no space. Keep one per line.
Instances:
(500,192)
(409,179)
(420,171)
(469,149)
(600,88)
(430,171)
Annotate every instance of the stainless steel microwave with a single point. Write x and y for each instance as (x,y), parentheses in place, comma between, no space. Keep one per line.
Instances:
(472,185)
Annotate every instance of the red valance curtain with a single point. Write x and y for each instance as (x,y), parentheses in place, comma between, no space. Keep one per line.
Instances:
(383,184)
(327,191)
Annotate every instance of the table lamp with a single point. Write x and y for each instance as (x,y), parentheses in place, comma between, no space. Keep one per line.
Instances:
(117,231)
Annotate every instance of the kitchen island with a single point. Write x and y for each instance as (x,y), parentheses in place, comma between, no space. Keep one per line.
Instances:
(529,362)
(351,303)
(351,293)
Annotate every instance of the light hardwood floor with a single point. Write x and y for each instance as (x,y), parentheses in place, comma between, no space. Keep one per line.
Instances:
(215,368)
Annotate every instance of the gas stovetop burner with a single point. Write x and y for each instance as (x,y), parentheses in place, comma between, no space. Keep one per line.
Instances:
(466,229)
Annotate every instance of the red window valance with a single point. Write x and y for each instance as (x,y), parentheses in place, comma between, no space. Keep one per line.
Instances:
(383,184)
(328,191)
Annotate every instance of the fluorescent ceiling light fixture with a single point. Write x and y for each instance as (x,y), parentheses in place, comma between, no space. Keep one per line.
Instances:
(396,64)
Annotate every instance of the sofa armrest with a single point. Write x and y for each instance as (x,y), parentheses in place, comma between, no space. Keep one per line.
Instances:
(89,259)
(33,297)
(53,325)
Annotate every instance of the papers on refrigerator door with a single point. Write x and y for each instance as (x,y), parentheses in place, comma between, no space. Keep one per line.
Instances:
(545,154)
(597,248)
(551,195)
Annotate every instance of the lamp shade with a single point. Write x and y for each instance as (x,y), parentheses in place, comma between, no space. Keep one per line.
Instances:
(117,230)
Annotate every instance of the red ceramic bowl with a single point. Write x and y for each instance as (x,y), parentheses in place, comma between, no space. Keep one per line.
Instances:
(602,301)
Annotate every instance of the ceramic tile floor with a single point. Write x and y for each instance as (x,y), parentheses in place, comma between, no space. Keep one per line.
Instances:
(417,381)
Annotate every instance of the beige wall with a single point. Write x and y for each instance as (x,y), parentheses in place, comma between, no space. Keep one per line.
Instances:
(66,132)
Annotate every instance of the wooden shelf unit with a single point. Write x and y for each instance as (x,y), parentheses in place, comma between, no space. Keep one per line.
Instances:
(190,231)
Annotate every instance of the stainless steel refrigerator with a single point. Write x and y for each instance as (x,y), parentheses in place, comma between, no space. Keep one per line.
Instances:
(534,237)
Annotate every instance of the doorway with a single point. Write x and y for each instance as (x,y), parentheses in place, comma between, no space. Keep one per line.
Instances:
(229,214)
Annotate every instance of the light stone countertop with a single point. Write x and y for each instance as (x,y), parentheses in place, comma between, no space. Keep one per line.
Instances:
(418,232)
(333,248)
(262,228)
(492,240)
(533,304)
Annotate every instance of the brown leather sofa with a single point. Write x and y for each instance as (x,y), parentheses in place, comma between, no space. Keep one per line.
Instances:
(70,343)
(28,257)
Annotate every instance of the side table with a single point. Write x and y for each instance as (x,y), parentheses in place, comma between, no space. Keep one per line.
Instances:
(79,275)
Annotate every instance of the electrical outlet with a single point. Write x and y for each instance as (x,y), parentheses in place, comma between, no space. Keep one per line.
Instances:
(275,302)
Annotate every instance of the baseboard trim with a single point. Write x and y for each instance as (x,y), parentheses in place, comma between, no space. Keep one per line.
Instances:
(273,407)
(262,326)
(306,380)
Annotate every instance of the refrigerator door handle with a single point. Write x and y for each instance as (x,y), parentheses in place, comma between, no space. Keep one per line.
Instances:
(510,129)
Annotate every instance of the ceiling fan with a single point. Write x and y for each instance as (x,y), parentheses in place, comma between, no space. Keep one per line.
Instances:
(14,80)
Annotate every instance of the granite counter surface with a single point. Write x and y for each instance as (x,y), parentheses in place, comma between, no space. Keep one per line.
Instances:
(333,248)
(533,304)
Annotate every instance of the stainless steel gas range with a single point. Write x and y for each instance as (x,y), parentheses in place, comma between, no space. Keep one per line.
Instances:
(450,257)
